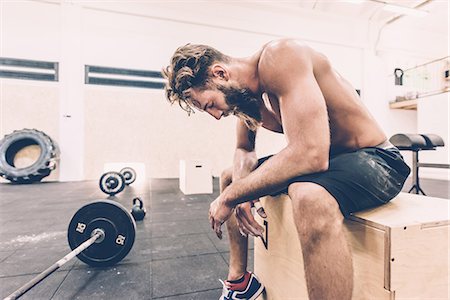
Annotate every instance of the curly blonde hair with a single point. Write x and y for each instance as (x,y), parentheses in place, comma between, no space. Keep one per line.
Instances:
(189,68)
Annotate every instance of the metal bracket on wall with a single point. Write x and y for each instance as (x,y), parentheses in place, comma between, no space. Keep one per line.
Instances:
(16,68)
(123,77)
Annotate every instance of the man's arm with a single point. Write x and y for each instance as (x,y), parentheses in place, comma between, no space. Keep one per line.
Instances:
(245,158)
(287,71)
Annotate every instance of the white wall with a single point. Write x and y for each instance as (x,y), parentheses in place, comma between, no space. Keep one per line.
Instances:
(25,34)
(403,44)
(433,117)
(112,124)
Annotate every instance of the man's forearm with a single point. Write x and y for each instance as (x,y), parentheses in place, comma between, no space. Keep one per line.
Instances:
(244,163)
(271,176)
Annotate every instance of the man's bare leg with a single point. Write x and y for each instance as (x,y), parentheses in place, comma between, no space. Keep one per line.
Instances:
(238,243)
(326,254)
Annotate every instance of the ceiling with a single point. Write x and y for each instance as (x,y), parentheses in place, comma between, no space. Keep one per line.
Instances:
(436,21)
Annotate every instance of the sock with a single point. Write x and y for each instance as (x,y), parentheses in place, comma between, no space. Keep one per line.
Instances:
(237,280)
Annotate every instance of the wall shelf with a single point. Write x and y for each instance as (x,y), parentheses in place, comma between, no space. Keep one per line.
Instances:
(412,103)
(405,104)
(428,79)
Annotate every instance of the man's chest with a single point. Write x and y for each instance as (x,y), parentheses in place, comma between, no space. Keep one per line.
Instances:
(271,115)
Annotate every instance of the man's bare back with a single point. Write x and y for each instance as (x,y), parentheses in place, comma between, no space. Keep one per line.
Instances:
(351,125)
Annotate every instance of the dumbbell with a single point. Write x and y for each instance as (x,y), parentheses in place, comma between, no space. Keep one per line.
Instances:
(100,234)
(112,183)
(129,174)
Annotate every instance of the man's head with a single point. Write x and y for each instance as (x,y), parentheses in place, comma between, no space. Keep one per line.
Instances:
(199,78)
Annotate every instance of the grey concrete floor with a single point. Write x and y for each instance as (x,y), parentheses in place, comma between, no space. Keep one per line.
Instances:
(431,187)
(175,255)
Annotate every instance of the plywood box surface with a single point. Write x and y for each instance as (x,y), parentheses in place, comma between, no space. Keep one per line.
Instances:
(400,250)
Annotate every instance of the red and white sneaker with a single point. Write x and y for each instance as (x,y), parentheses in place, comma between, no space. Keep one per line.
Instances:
(249,289)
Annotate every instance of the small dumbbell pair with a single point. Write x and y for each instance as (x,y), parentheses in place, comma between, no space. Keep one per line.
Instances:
(112,183)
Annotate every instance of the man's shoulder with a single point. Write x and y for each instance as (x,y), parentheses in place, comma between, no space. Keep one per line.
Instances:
(280,56)
(282,47)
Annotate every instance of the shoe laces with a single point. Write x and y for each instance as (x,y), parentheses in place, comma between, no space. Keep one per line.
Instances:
(225,284)
(225,289)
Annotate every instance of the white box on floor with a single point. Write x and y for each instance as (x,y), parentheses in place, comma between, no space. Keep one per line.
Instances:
(195,177)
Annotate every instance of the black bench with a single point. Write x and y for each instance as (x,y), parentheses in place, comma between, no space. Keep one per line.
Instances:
(416,143)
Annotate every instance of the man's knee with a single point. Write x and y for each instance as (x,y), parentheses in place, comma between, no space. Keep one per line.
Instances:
(316,212)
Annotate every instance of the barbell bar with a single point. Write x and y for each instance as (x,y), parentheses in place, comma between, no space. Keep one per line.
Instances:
(100,234)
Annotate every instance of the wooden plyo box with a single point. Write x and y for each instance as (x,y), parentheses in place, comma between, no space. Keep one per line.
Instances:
(400,250)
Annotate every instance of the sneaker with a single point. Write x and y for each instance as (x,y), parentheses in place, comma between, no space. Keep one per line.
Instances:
(249,289)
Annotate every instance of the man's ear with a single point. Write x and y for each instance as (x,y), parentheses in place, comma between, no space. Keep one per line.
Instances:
(219,71)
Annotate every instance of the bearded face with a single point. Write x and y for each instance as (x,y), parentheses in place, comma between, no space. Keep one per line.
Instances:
(243,103)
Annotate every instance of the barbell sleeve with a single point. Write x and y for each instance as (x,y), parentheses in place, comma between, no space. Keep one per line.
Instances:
(26,287)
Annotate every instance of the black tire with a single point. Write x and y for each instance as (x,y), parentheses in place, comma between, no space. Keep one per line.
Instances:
(12,143)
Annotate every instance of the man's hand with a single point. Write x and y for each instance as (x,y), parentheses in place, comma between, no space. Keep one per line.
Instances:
(219,212)
(246,221)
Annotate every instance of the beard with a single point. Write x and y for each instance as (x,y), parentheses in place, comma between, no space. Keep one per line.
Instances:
(244,104)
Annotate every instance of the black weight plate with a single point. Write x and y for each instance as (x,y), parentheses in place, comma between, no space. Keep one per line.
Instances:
(129,174)
(114,220)
(112,183)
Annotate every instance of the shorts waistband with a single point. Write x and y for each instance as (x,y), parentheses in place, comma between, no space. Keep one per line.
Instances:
(386,145)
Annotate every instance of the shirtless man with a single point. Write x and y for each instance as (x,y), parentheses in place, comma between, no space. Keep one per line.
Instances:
(337,159)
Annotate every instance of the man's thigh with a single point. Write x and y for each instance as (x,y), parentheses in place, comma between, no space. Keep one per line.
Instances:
(361,179)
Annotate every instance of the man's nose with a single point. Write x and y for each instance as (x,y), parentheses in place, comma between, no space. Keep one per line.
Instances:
(215,113)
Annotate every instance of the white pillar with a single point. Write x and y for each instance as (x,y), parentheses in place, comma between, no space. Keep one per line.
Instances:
(71,71)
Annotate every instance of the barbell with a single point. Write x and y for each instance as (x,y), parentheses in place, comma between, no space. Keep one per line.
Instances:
(100,234)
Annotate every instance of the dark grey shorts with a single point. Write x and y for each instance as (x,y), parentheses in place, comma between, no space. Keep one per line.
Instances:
(361,179)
